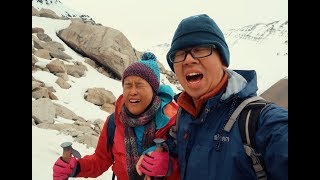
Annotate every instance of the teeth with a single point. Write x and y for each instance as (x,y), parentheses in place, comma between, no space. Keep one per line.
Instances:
(134,100)
(193,74)
(194,82)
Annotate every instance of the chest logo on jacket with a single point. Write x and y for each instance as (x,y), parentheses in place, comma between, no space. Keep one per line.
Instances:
(218,137)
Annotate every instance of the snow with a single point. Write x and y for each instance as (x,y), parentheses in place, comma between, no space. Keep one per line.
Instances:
(269,63)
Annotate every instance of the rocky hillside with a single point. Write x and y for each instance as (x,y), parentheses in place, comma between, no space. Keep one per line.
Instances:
(278,93)
(67,53)
(71,52)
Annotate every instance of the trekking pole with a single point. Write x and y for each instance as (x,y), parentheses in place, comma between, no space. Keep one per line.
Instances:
(159,144)
(66,154)
(159,148)
(68,151)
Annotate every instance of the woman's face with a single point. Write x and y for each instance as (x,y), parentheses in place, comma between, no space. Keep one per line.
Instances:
(137,94)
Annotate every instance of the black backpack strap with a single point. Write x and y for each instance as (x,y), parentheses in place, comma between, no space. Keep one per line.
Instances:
(248,112)
(173,130)
(238,110)
(248,121)
(111,128)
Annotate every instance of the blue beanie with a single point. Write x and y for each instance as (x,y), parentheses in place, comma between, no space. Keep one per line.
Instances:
(146,68)
(199,30)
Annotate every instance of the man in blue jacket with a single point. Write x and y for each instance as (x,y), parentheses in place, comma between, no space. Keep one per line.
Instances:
(199,56)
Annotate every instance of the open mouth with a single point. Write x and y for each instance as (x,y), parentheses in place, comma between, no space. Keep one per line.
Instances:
(194,77)
(134,100)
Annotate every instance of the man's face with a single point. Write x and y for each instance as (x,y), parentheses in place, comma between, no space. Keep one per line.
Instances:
(137,94)
(201,75)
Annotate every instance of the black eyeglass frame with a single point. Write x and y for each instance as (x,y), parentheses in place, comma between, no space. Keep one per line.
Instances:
(189,51)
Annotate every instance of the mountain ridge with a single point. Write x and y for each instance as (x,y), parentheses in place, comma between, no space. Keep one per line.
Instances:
(60,9)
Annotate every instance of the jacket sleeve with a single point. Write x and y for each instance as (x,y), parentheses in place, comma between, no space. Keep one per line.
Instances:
(173,155)
(172,113)
(99,162)
(272,141)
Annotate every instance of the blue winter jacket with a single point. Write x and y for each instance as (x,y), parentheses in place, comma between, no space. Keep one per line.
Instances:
(202,155)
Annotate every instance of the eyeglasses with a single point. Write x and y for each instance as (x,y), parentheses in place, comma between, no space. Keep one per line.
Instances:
(196,52)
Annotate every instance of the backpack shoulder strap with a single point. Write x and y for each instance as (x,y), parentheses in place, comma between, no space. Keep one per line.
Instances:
(248,120)
(249,112)
(173,130)
(238,110)
(111,128)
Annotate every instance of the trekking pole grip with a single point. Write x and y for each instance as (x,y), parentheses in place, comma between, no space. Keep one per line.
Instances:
(159,148)
(66,154)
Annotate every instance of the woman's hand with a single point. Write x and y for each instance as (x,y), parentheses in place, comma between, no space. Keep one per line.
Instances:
(153,164)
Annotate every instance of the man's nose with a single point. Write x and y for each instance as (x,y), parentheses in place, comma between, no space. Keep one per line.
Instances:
(189,59)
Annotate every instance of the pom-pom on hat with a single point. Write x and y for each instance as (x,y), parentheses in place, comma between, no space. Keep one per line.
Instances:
(146,68)
(199,30)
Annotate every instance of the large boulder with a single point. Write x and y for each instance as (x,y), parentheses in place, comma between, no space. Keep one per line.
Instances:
(105,45)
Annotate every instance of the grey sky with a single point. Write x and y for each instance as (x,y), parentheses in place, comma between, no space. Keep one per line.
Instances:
(150,22)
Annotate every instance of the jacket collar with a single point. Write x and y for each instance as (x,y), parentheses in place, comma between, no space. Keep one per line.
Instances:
(242,83)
